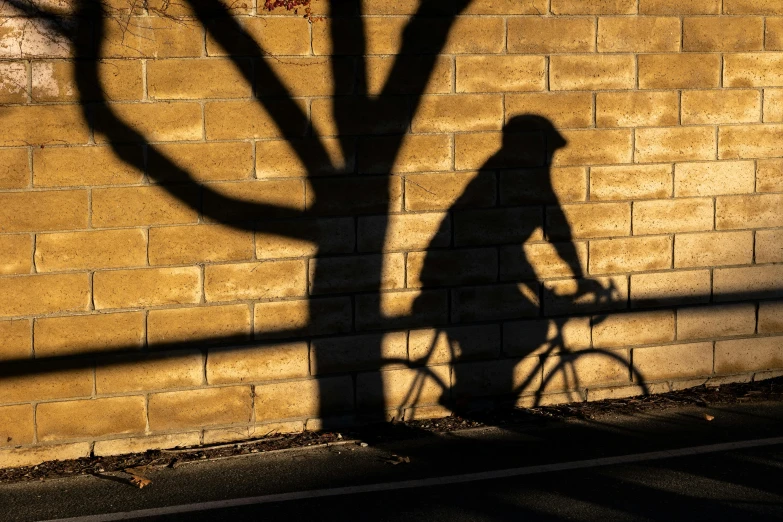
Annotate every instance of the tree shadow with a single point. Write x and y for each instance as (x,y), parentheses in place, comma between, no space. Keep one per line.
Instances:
(484,268)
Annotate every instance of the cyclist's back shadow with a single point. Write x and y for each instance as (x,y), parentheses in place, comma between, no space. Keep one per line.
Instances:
(521,179)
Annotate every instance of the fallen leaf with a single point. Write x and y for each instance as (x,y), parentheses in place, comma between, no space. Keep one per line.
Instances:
(708,417)
(140,481)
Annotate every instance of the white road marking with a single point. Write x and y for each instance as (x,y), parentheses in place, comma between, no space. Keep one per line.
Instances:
(428,482)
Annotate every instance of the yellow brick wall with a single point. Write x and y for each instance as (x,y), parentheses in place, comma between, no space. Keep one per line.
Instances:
(217,226)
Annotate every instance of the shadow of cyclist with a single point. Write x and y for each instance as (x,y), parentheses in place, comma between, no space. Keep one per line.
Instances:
(491,275)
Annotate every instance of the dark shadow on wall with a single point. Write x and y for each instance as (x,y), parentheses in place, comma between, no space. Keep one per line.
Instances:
(477,272)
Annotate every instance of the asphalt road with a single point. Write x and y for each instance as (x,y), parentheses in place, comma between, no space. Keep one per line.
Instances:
(611,468)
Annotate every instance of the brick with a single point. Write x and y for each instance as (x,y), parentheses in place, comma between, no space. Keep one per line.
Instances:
(637,109)
(384,35)
(332,315)
(265,280)
(589,220)
(590,147)
(586,368)
(643,34)
(275,36)
(24,37)
(495,378)
(15,255)
(160,121)
(675,7)
(566,110)
(58,124)
(713,249)
(756,211)
(675,144)
(761,7)
(412,71)
(197,79)
(731,284)
(592,72)
(253,200)
(416,153)
(493,302)
(358,352)
(90,418)
(570,7)
(668,288)
(109,448)
(509,73)
(706,322)
(201,161)
(224,324)
(774,34)
(17,427)
(769,246)
(443,191)
(773,106)
(80,334)
(551,35)
(31,211)
(404,232)
(582,296)
(542,260)
(259,363)
(769,176)
(87,166)
(17,341)
(448,345)
(390,115)
(451,267)
(46,381)
(199,244)
(523,338)
(630,182)
(120,80)
(337,195)
(400,388)
(240,119)
(197,408)
(44,294)
(140,206)
(14,169)
(33,455)
(637,254)
(409,7)
(149,371)
(458,112)
(146,287)
(311,76)
(497,226)
(152,37)
(624,392)
(89,250)
(751,141)
(357,273)
(679,71)
(307,238)
(666,216)
(631,329)
(244,433)
(307,398)
(553,185)
(714,178)
(742,355)
(473,151)
(674,361)
(710,34)
(753,70)
(14,87)
(770,317)
(401,309)
(307,157)
(726,106)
